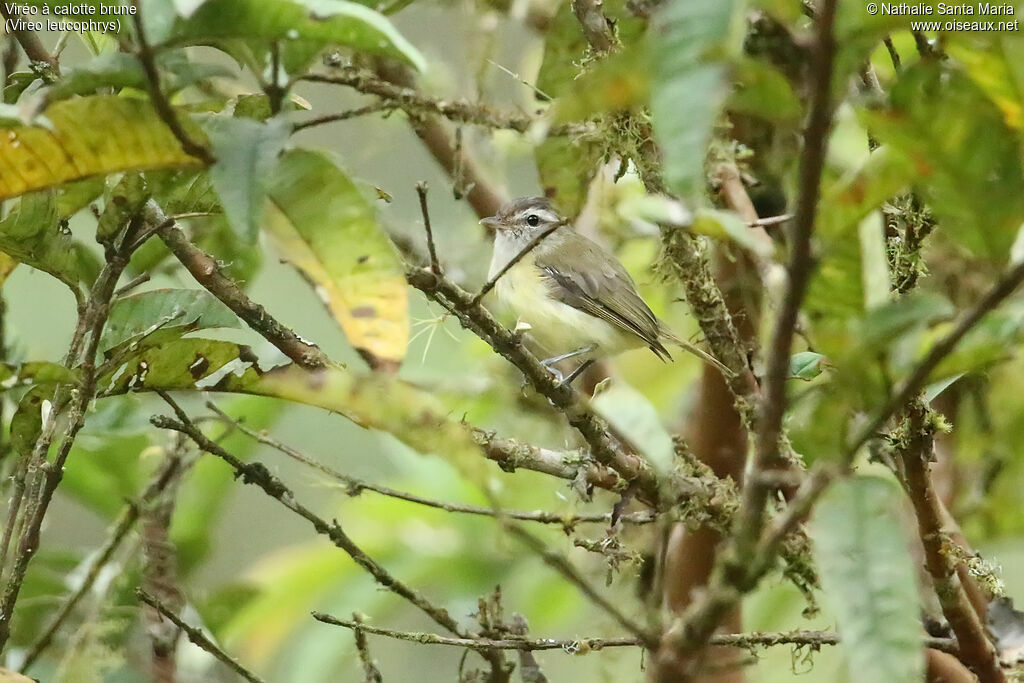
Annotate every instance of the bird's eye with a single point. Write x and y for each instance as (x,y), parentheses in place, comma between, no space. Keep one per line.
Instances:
(533,220)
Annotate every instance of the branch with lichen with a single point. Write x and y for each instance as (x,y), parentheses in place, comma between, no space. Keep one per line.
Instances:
(914,448)
(119,531)
(578,646)
(38,477)
(414,103)
(606,449)
(255,474)
(354,486)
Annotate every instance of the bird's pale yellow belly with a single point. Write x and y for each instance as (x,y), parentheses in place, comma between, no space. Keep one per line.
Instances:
(557,327)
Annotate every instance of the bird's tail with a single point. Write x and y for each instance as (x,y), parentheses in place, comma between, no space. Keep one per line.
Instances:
(698,352)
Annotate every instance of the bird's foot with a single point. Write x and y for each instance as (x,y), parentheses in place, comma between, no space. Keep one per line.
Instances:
(575,373)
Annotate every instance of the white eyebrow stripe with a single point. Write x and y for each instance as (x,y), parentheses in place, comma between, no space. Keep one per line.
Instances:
(545,215)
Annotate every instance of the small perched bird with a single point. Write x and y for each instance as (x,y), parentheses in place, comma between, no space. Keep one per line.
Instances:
(576,297)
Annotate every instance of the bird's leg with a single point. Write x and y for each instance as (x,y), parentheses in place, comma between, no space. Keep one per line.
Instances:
(575,373)
(549,362)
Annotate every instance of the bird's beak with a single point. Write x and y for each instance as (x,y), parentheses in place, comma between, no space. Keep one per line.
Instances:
(491,223)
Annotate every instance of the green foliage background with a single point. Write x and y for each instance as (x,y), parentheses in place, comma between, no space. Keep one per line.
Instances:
(951,131)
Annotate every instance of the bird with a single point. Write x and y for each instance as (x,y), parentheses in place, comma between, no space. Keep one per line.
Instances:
(576,298)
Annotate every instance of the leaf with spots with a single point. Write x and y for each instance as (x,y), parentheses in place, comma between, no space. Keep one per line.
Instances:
(327,229)
(87,136)
(371,400)
(32,234)
(132,317)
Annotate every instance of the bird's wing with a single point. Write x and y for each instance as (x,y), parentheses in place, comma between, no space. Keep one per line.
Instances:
(593,281)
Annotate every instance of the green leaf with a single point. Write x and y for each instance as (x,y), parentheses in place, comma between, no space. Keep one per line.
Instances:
(119,70)
(36,372)
(763,91)
(689,85)
(893,320)
(726,225)
(932,391)
(869,578)
(373,400)
(632,414)
(874,262)
(319,22)
(968,159)
(90,136)
(333,236)
(33,235)
(807,365)
(994,63)
(246,151)
(133,316)
(183,191)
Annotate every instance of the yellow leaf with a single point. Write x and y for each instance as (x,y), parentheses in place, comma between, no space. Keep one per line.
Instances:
(7,265)
(324,226)
(84,137)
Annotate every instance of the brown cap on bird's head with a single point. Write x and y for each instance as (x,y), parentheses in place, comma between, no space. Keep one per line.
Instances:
(523,213)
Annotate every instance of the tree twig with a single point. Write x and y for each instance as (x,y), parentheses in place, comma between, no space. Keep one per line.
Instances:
(467,177)
(375,108)
(197,638)
(410,100)
(915,451)
(565,568)
(69,407)
(207,273)
(355,486)
(257,475)
(160,102)
(421,192)
(579,645)
(119,531)
(30,43)
(604,448)
(596,27)
(520,255)
(369,666)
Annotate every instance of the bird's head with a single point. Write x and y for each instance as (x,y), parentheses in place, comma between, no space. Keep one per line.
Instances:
(524,217)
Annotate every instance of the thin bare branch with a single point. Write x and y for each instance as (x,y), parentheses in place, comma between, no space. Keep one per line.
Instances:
(415,103)
(421,192)
(531,245)
(579,645)
(197,638)
(256,474)
(147,57)
(375,108)
(355,486)
(369,666)
(917,446)
(565,568)
(207,273)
